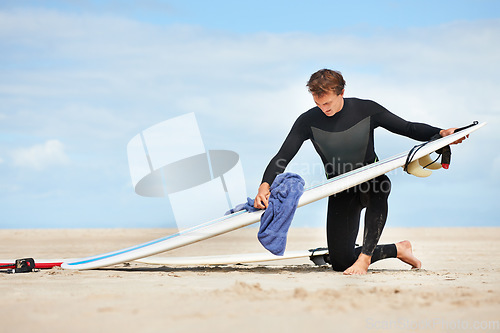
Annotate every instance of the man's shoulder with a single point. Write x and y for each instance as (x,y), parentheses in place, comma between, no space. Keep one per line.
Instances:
(356,100)
(306,119)
(363,105)
(311,113)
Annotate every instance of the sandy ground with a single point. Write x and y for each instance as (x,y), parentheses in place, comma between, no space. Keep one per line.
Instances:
(457,289)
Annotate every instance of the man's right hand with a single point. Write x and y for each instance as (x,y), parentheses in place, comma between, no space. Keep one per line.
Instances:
(262,199)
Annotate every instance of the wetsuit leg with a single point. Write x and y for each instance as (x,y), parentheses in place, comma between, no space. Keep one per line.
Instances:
(342,227)
(382,251)
(343,223)
(374,195)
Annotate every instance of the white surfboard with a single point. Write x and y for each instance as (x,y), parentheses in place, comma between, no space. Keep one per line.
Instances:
(243,218)
(230,258)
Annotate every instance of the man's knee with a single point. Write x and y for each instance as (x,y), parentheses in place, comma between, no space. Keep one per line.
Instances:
(340,264)
(337,268)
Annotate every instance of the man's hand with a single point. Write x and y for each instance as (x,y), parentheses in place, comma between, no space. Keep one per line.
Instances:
(449,131)
(262,199)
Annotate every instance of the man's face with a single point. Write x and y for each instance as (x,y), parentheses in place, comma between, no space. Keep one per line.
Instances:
(330,103)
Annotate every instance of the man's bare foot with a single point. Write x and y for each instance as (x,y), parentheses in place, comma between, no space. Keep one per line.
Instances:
(360,267)
(405,254)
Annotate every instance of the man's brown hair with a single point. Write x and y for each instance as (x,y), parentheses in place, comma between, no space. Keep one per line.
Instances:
(324,81)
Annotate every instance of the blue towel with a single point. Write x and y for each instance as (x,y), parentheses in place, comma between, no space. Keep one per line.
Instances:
(247,206)
(286,191)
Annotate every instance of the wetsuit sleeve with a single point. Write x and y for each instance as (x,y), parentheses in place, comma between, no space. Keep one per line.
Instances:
(290,147)
(395,124)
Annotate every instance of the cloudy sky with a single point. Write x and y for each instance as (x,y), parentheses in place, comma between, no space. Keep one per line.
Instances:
(79,79)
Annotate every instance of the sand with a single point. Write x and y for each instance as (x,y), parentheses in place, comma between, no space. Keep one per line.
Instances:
(457,289)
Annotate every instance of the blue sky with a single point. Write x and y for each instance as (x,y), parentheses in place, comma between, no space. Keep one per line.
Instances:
(79,79)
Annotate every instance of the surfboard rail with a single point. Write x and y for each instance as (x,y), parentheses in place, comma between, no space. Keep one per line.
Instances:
(230,258)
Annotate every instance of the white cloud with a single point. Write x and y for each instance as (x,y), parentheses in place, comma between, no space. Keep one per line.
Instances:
(118,75)
(98,80)
(152,73)
(41,156)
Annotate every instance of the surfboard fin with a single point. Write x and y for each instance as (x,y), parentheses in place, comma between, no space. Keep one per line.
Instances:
(320,259)
(414,168)
(427,163)
(423,166)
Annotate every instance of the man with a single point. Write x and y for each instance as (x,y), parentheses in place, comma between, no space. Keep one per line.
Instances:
(341,130)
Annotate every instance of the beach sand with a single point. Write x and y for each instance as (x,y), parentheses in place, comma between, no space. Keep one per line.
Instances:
(457,289)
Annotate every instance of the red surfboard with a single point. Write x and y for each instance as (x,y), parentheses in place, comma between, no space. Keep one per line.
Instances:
(39,263)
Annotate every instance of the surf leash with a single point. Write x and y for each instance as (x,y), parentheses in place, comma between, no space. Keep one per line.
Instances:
(21,265)
(474,123)
(444,152)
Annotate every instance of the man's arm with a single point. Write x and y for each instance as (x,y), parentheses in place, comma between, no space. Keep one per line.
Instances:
(396,124)
(417,131)
(278,163)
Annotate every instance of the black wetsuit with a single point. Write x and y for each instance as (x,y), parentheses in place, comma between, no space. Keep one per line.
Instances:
(344,142)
